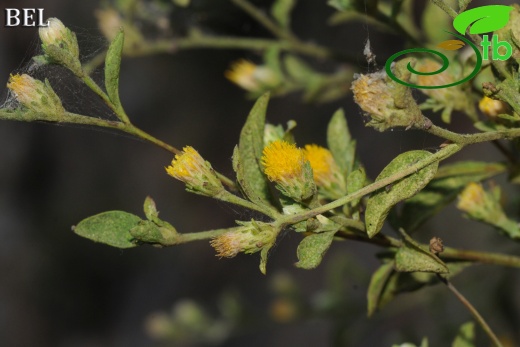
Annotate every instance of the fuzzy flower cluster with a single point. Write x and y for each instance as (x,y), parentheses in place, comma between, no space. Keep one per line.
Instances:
(198,175)
(285,164)
(251,237)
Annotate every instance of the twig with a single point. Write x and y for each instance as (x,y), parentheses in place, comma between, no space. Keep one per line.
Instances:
(473,311)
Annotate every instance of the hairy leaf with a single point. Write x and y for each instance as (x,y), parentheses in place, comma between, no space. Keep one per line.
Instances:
(312,249)
(411,258)
(442,190)
(111,228)
(382,201)
(340,143)
(112,68)
(378,283)
(247,159)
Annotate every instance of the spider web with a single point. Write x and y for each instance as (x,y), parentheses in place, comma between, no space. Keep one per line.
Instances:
(75,96)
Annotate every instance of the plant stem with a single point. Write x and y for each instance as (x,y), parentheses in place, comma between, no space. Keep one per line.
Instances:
(443,6)
(440,155)
(265,21)
(233,199)
(395,25)
(481,257)
(99,92)
(201,235)
(467,139)
(133,130)
(226,42)
(473,311)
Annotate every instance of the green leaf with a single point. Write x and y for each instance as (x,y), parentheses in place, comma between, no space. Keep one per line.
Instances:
(442,190)
(466,336)
(281,11)
(111,228)
(483,19)
(340,143)
(377,285)
(312,249)
(112,68)
(264,253)
(247,159)
(380,203)
(434,18)
(404,282)
(412,257)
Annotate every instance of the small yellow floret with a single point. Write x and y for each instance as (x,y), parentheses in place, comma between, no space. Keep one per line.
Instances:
(472,197)
(228,245)
(491,107)
(190,168)
(322,163)
(186,165)
(242,73)
(24,87)
(283,161)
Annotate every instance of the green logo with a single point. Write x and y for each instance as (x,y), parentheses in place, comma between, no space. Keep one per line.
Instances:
(482,19)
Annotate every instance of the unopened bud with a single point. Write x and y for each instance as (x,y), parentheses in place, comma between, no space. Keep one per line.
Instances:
(388,103)
(251,237)
(60,45)
(36,95)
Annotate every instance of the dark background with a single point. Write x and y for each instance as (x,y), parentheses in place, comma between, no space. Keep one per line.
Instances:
(57,289)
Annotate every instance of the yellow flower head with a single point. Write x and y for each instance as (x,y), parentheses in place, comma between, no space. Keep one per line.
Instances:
(198,175)
(472,198)
(35,95)
(251,237)
(491,107)
(285,164)
(282,161)
(250,76)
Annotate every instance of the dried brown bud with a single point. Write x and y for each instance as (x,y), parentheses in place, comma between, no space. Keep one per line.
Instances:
(436,245)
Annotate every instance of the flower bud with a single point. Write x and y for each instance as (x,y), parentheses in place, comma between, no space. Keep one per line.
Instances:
(251,237)
(198,175)
(285,164)
(453,98)
(60,45)
(36,95)
(485,207)
(388,103)
(492,107)
(251,77)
